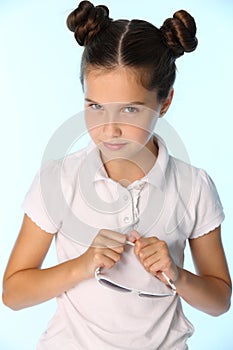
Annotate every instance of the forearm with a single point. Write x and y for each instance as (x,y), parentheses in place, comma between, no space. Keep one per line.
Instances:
(33,286)
(206,293)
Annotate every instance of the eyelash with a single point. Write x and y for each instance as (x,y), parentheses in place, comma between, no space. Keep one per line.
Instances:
(98,107)
(95,106)
(135,109)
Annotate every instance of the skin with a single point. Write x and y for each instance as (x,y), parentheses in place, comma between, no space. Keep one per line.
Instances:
(112,116)
(26,283)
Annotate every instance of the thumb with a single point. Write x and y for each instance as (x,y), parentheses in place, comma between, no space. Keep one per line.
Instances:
(134,236)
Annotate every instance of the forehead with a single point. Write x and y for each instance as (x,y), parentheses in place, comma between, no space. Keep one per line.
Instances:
(116,85)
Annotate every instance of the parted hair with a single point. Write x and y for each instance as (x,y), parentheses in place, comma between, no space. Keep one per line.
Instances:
(136,44)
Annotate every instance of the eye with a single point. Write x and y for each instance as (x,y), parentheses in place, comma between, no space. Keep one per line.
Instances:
(95,107)
(130,109)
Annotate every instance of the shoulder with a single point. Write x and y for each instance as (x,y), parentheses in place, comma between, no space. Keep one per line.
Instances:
(184,171)
(191,178)
(185,168)
(72,162)
(57,174)
(194,180)
(64,166)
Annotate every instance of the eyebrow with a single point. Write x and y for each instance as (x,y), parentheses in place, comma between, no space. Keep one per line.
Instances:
(125,103)
(89,100)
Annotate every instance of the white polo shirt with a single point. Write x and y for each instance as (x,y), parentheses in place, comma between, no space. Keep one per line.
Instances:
(74,198)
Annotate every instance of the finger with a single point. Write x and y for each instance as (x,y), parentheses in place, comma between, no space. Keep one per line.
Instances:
(109,238)
(143,242)
(104,242)
(146,252)
(104,261)
(106,258)
(150,261)
(119,238)
(134,236)
(156,265)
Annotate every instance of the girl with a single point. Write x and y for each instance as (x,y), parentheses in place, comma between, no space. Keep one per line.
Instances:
(123,187)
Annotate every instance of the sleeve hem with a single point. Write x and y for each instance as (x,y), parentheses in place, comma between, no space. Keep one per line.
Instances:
(208,227)
(41,226)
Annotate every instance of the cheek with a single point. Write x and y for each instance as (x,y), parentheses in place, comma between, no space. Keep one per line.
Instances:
(94,134)
(145,124)
(143,136)
(92,124)
(93,131)
(139,134)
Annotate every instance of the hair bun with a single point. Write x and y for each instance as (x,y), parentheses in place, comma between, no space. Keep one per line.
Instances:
(87,21)
(180,33)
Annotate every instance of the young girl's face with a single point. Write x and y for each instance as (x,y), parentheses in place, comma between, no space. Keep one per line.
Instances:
(120,113)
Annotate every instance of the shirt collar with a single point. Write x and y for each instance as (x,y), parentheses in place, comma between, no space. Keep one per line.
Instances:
(155,177)
(95,164)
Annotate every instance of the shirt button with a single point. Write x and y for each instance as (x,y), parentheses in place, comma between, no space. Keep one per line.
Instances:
(126,219)
(125,197)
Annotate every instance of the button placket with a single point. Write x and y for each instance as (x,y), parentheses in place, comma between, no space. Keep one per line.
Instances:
(126,216)
(135,193)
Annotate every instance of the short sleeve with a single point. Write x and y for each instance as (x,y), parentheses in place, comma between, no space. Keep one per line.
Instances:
(41,202)
(208,208)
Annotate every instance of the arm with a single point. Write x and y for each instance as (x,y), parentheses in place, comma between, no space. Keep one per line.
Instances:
(26,284)
(210,289)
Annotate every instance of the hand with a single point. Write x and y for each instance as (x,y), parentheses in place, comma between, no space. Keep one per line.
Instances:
(105,251)
(154,256)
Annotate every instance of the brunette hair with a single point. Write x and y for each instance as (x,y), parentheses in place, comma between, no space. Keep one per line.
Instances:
(136,44)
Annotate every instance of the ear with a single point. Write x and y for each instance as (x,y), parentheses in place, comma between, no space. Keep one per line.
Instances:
(166,104)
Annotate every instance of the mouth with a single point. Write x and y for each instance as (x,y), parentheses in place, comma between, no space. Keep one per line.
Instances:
(114,146)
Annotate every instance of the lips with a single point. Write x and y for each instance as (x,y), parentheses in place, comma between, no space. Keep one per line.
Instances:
(114,146)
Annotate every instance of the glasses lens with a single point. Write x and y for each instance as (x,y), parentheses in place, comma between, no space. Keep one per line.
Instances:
(145,295)
(113,286)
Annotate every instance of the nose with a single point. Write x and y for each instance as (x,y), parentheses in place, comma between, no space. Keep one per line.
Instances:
(111,130)
(111,127)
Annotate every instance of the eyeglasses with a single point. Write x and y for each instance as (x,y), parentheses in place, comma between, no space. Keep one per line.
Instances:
(107,282)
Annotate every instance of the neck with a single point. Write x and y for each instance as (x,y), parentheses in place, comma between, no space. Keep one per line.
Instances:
(127,171)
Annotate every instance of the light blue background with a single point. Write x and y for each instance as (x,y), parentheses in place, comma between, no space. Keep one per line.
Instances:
(40,89)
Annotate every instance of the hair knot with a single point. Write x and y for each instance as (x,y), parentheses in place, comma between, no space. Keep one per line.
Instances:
(87,21)
(179,33)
